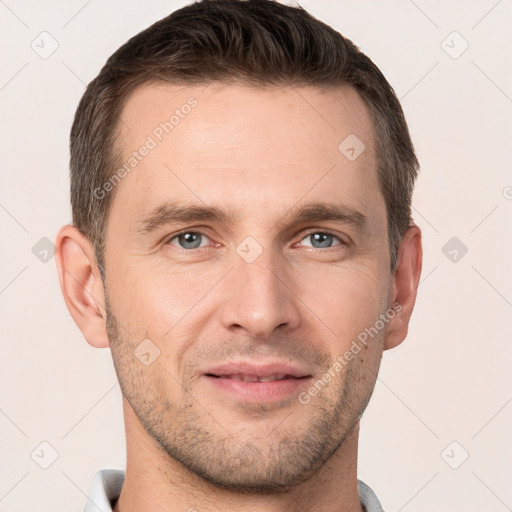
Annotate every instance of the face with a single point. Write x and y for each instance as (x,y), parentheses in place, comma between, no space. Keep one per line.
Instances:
(245,255)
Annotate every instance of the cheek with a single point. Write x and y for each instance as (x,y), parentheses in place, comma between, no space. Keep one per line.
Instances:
(346,302)
(158,298)
(153,300)
(166,307)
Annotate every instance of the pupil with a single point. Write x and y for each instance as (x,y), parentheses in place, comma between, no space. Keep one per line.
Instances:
(188,239)
(323,238)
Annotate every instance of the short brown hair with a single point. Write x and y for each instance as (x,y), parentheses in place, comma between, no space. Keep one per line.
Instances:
(257,42)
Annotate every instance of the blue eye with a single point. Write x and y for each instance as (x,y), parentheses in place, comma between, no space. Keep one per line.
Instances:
(188,239)
(323,239)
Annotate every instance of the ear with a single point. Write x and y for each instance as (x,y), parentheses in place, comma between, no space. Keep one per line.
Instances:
(81,284)
(404,286)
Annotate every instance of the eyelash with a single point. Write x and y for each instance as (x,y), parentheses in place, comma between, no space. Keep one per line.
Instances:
(306,234)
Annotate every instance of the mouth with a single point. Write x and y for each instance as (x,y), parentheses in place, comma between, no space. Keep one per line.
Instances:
(255,378)
(258,383)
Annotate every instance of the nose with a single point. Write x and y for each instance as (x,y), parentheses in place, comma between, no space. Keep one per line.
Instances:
(259,297)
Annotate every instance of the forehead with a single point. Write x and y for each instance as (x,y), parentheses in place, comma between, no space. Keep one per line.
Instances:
(259,147)
(159,110)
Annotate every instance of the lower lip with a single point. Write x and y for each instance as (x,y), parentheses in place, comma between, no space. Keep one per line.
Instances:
(259,391)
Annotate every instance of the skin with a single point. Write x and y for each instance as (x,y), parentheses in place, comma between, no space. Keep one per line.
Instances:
(259,153)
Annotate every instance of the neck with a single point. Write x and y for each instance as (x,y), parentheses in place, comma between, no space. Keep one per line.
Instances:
(154,481)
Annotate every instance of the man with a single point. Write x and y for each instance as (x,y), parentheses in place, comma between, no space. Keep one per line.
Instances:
(241,181)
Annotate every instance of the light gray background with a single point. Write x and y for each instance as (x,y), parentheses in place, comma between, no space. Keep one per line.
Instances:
(448,382)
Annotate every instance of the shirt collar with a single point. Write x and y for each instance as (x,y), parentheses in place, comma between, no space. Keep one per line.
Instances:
(106,488)
(107,484)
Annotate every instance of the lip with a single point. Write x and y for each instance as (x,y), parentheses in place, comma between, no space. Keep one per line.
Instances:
(227,378)
(249,368)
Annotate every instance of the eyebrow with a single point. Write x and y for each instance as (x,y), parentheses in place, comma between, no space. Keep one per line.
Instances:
(174,213)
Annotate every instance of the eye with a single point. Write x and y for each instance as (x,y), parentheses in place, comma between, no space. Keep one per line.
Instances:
(324,240)
(187,240)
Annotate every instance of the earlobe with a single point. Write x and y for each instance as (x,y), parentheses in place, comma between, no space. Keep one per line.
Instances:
(81,284)
(405,283)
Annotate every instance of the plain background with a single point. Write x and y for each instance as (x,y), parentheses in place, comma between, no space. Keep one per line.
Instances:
(442,396)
